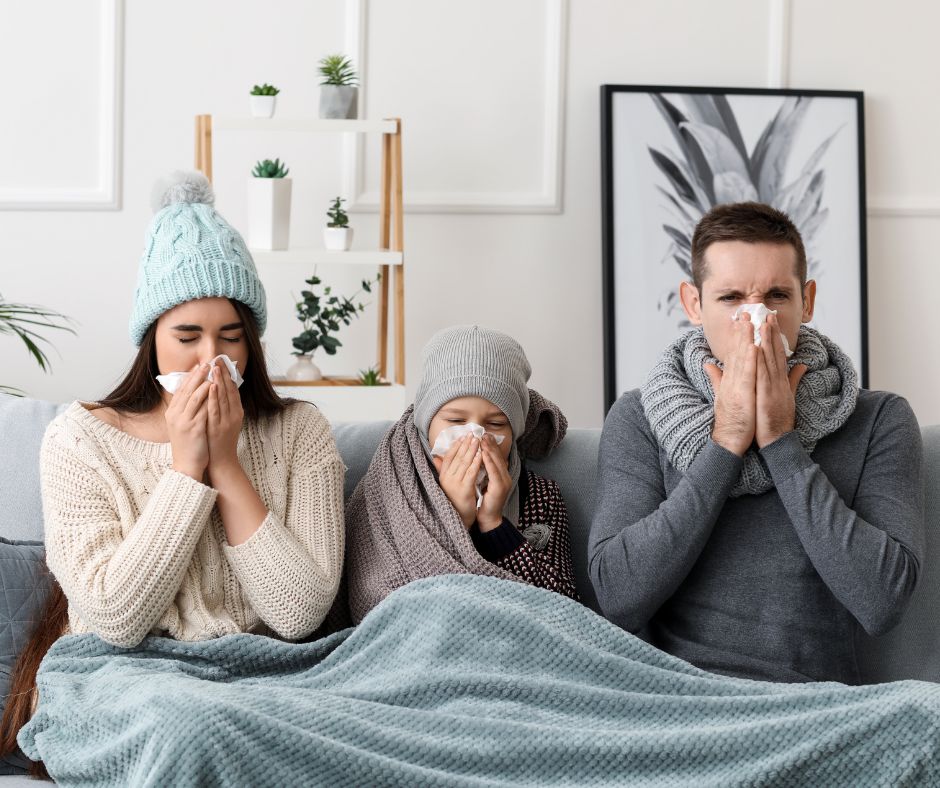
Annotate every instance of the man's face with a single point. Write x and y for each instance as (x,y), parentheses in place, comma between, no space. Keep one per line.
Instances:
(736,273)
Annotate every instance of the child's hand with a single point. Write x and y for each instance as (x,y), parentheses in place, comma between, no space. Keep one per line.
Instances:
(457,472)
(498,486)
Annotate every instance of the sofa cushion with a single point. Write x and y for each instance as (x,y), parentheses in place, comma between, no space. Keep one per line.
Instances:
(23,587)
(912,649)
(356,442)
(23,422)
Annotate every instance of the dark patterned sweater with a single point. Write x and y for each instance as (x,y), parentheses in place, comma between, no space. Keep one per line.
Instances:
(538,551)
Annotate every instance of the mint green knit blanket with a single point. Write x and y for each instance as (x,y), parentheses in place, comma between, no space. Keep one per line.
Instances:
(461,680)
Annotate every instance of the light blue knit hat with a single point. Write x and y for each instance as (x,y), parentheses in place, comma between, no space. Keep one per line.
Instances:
(192,252)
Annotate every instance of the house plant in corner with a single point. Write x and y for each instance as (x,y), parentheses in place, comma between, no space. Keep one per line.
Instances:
(22,320)
(263,98)
(321,316)
(338,90)
(337,235)
(269,191)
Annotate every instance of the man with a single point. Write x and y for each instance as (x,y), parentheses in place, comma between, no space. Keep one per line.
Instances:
(756,512)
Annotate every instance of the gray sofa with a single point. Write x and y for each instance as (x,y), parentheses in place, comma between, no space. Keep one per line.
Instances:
(910,651)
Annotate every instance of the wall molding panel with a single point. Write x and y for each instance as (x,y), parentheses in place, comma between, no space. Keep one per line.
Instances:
(546,199)
(105,192)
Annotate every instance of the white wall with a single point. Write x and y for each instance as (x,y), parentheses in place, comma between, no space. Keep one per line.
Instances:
(473,83)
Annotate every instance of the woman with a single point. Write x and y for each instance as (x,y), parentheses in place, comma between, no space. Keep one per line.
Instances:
(204,512)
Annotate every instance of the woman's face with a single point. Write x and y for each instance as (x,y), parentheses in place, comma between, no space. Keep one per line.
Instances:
(196,332)
(465,410)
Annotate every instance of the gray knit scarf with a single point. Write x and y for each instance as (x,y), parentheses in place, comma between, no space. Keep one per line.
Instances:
(680,404)
(400,525)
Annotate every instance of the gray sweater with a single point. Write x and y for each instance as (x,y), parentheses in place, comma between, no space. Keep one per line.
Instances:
(774,586)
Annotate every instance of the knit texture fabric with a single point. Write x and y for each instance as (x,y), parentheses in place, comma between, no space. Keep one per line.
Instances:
(401,526)
(464,681)
(680,404)
(470,361)
(538,549)
(139,548)
(192,252)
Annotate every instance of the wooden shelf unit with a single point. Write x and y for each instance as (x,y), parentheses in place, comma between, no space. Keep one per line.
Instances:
(390,252)
(327,380)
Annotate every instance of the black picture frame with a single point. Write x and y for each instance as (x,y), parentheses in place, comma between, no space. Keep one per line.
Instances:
(633,145)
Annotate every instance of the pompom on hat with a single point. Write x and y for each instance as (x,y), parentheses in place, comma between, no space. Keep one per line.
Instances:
(191,252)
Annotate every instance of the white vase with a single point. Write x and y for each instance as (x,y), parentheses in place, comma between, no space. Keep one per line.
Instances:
(262,106)
(303,369)
(269,213)
(338,101)
(337,239)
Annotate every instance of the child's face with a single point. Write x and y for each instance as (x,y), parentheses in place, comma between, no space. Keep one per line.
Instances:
(464,410)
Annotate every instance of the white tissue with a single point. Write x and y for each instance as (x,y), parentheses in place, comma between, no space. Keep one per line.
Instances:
(448,437)
(171,381)
(758,314)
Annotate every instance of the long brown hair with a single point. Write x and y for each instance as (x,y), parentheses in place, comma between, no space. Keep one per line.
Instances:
(138,392)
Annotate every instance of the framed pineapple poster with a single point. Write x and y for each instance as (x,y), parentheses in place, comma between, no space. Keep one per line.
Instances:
(669,154)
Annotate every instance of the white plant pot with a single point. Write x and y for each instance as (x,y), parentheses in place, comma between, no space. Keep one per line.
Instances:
(262,106)
(337,239)
(303,369)
(269,212)
(338,101)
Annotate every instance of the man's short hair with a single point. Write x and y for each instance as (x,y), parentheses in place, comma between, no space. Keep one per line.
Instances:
(751,222)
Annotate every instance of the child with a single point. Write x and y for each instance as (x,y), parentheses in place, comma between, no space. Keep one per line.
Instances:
(422,510)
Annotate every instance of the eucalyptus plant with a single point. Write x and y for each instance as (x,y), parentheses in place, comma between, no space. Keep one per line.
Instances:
(264,90)
(22,320)
(338,70)
(270,169)
(337,215)
(322,316)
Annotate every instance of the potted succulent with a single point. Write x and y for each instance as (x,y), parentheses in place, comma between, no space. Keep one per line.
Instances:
(21,320)
(338,91)
(263,98)
(269,191)
(321,316)
(370,377)
(337,235)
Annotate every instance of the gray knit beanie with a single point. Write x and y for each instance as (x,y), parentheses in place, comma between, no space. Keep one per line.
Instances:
(469,361)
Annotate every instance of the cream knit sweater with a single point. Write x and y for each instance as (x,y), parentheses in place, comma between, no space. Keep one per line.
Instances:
(140,549)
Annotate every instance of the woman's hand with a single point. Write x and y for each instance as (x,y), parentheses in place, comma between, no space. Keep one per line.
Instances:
(498,486)
(457,472)
(224,422)
(186,422)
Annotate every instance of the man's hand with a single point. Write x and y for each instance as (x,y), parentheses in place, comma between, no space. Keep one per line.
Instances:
(736,392)
(776,389)
(457,473)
